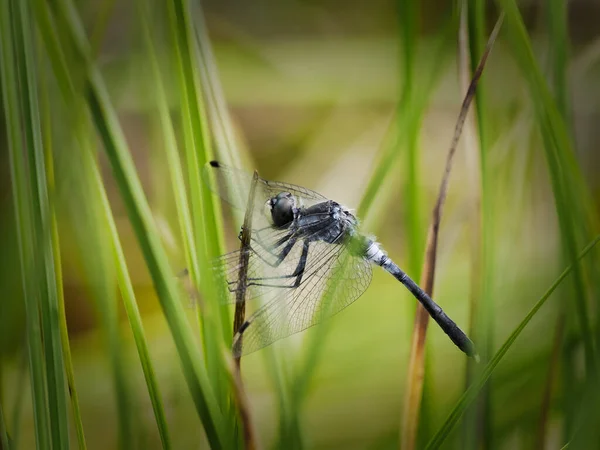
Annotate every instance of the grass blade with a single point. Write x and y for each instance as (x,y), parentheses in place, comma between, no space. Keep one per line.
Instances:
(140,216)
(26,62)
(477,423)
(553,367)
(66,347)
(170,146)
(131,308)
(409,18)
(417,352)
(243,404)
(412,111)
(17,408)
(471,394)
(99,274)
(556,12)
(571,196)
(4,443)
(22,205)
(198,151)
(139,213)
(64,333)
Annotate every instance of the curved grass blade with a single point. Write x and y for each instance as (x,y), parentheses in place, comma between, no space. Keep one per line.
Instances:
(170,146)
(471,394)
(139,213)
(131,308)
(140,216)
(572,198)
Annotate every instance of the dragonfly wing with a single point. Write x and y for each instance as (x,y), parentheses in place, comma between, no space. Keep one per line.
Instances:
(333,279)
(266,274)
(233,186)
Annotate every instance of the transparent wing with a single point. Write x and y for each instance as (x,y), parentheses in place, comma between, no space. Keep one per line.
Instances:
(233,186)
(266,271)
(333,279)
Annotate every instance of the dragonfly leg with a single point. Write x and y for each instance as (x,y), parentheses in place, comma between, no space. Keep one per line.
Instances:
(298,273)
(281,256)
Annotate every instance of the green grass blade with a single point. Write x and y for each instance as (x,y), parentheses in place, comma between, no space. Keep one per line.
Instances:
(22,205)
(409,18)
(204,213)
(64,333)
(56,385)
(139,213)
(92,234)
(129,301)
(140,216)
(391,150)
(170,146)
(66,348)
(4,444)
(556,18)
(17,408)
(97,268)
(472,392)
(482,303)
(571,196)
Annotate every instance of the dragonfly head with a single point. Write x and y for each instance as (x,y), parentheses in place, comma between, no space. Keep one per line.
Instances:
(282,207)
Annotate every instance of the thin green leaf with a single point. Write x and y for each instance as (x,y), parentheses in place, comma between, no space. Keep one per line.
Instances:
(3,432)
(92,235)
(56,383)
(170,146)
(17,409)
(139,213)
(129,301)
(22,205)
(64,333)
(471,394)
(141,219)
(556,15)
(571,195)
(413,112)
(198,151)
(482,298)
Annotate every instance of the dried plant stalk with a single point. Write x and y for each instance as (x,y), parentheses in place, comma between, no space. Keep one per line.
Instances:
(414,390)
(240,316)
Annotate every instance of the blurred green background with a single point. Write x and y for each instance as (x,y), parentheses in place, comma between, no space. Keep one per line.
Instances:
(317,93)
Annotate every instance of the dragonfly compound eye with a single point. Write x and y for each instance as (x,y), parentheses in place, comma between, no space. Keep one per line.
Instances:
(282,209)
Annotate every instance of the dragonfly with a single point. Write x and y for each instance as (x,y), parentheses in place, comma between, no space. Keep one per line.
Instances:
(306,260)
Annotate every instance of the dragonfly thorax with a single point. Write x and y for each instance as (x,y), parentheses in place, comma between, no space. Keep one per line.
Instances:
(326,221)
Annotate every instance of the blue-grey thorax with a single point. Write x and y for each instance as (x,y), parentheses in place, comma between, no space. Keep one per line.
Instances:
(330,222)
(326,221)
